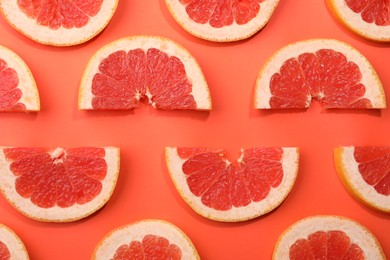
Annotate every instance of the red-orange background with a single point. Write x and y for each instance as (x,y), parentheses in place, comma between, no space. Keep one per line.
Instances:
(144,189)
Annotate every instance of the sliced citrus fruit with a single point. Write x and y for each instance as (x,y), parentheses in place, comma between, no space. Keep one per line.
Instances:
(364,171)
(370,19)
(327,70)
(58,23)
(327,237)
(223,20)
(130,69)
(18,91)
(146,239)
(217,189)
(58,185)
(11,246)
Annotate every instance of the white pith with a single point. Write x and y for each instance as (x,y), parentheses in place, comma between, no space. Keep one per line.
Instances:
(27,85)
(14,243)
(356,23)
(135,232)
(254,209)
(61,36)
(56,213)
(232,32)
(200,89)
(303,228)
(359,185)
(374,90)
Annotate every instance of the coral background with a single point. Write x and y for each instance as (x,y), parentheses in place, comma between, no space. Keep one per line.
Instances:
(144,189)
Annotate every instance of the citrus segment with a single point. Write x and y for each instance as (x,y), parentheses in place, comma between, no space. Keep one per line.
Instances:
(131,69)
(60,23)
(365,172)
(220,190)
(11,246)
(146,239)
(327,70)
(18,91)
(369,19)
(59,184)
(327,237)
(222,20)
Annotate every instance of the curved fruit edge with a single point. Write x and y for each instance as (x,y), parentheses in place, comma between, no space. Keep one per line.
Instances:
(54,39)
(272,65)
(201,91)
(29,88)
(326,223)
(120,235)
(222,34)
(351,27)
(256,209)
(41,215)
(14,243)
(342,173)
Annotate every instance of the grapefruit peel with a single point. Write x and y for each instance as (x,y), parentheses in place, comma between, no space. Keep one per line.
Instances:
(56,213)
(27,85)
(230,33)
(354,22)
(137,231)
(200,89)
(374,89)
(61,36)
(347,169)
(236,214)
(358,234)
(13,243)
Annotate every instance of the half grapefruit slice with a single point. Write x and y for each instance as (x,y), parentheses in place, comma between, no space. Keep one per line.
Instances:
(222,21)
(11,246)
(364,171)
(217,189)
(58,185)
(327,70)
(58,23)
(146,239)
(369,19)
(327,237)
(131,69)
(18,91)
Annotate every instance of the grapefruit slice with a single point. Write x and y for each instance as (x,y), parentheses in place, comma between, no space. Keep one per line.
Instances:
(369,19)
(58,185)
(131,69)
(11,246)
(146,239)
(58,23)
(18,91)
(327,237)
(217,189)
(327,70)
(223,20)
(365,173)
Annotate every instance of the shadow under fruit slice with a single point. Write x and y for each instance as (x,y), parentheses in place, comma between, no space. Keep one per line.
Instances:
(11,246)
(58,185)
(131,69)
(217,189)
(146,239)
(327,237)
(58,23)
(329,71)
(369,19)
(224,20)
(365,173)
(18,91)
